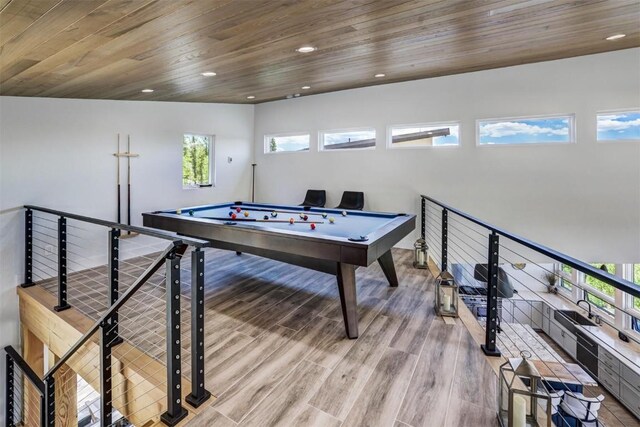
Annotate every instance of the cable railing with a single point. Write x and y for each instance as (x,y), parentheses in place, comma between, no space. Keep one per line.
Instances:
(134,306)
(483,260)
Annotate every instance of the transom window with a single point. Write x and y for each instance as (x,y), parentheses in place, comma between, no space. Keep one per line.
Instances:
(348,139)
(424,135)
(197,160)
(619,126)
(527,130)
(295,142)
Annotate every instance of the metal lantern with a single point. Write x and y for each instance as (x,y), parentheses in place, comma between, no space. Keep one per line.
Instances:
(420,253)
(519,402)
(446,295)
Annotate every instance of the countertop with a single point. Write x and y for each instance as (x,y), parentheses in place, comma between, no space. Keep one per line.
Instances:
(605,335)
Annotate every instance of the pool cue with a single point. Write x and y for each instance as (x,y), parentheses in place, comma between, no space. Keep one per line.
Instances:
(229,219)
(128,181)
(278,211)
(118,181)
(253,181)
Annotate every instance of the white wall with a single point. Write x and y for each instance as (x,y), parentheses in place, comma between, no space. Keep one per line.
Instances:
(582,199)
(57,153)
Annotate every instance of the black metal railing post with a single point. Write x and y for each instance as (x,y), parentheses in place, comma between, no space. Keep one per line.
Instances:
(423,220)
(489,347)
(175,411)
(9,410)
(28,249)
(444,242)
(62,265)
(199,394)
(114,277)
(49,414)
(106,404)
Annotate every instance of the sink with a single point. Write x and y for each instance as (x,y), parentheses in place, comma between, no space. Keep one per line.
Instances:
(570,318)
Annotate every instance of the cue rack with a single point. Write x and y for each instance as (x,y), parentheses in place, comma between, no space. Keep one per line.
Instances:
(127,155)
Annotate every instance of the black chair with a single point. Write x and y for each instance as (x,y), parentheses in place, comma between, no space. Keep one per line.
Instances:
(315,198)
(505,288)
(352,200)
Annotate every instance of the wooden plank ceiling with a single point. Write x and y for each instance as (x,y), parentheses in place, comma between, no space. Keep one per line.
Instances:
(111,49)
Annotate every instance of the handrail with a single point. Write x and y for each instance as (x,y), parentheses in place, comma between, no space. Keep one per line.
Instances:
(24,367)
(178,246)
(198,243)
(610,279)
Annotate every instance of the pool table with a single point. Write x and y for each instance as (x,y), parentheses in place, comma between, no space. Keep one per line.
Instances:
(356,239)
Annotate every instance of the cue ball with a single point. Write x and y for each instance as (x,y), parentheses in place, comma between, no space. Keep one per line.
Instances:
(344,213)
(332,220)
(305,217)
(179,211)
(324,214)
(266,217)
(301,215)
(274,214)
(313,226)
(238,210)
(246,214)
(191,212)
(233,216)
(291,221)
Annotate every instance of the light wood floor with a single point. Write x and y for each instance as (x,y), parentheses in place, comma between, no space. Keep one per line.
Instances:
(276,351)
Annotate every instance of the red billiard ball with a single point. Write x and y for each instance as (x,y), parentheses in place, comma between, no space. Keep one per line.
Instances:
(305,217)
(233,216)
(291,221)
(238,209)
(313,226)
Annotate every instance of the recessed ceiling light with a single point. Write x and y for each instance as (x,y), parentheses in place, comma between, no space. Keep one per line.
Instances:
(379,75)
(208,73)
(615,37)
(147,90)
(306,87)
(305,49)
(251,97)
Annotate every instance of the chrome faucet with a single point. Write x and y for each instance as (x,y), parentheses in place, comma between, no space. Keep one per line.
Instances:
(588,304)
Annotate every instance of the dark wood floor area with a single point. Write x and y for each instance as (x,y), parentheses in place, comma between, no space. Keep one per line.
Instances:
(276,351)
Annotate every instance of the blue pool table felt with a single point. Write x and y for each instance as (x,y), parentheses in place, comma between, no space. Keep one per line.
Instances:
(354,224)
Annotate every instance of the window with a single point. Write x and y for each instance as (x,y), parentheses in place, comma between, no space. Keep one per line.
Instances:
(286,143)
(636,280)
(566,277)
(348,139)
(425,135)
(522,131)
(197,156)
(599,293)
(619,126)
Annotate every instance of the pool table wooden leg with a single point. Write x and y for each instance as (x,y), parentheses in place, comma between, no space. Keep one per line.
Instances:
(348,298)
(388,268)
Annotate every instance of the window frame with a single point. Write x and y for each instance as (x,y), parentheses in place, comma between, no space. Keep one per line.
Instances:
(212,155)
(564,276)
(615,141)
(322,133)
(572,130)
(268,136)
(390,145)
(586,288)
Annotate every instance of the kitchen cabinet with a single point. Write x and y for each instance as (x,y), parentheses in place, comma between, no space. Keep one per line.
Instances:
(620,380)
(563,338)
(537,308)
(524,312)
(546,318)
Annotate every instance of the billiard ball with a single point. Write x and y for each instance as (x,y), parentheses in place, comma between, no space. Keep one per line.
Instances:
(274,214)
(233,216)
(179,211)
(332,220)
(238,209)
(324,214)
(291,221)
(191,212)
(231,213)
(344,213)
(305,217)
(313,226)
(246,214)
(266,217)
(301,215)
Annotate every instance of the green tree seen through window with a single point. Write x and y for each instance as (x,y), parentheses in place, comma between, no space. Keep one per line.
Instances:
(196,160)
